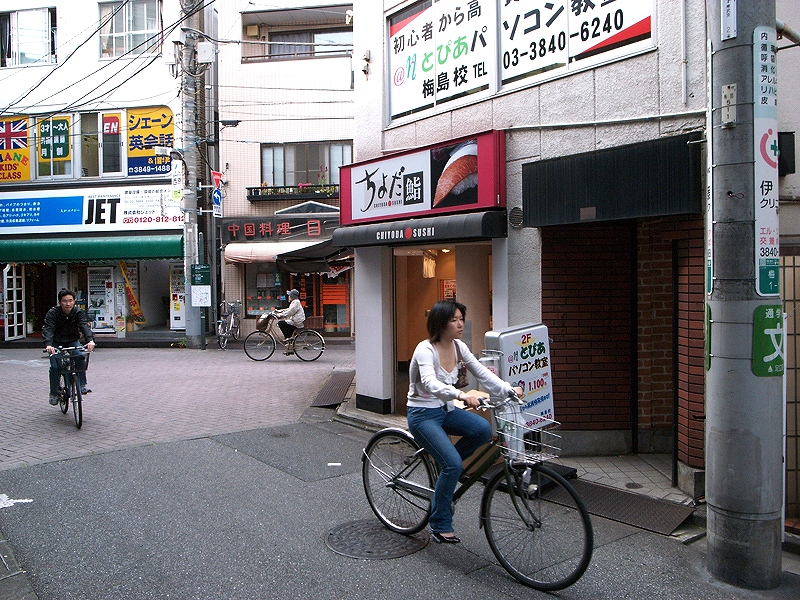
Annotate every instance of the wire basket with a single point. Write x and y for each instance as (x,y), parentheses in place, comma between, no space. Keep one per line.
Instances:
(528,441)
(226,308)
(74,360)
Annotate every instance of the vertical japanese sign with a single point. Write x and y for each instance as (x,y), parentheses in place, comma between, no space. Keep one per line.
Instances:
(15,152)
(525,362)
(148,128)
(440,53)
(765,140)
(768,341)
(54,139)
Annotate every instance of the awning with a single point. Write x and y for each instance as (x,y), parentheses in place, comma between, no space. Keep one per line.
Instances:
(477,225)
(91,249)
(250,252)
(318,258)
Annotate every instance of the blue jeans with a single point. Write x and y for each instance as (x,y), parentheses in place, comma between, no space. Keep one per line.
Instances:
(54,376)
(431,427)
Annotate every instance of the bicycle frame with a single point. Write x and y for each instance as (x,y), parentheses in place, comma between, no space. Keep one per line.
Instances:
(481,463)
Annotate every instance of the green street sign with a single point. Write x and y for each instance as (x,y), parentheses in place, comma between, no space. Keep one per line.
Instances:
(768,344)
(54,139)
(201,275)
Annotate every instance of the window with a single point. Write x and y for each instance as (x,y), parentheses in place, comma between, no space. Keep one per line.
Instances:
(130,28)
(316,163)
(101,144)
(295,33)
(303,44)
(28,37)
(54,146)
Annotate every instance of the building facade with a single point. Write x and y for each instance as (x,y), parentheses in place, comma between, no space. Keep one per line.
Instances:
(596,227)
(286,75)
(89,112)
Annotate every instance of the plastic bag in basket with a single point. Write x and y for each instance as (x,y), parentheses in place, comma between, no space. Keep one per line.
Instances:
(262,322)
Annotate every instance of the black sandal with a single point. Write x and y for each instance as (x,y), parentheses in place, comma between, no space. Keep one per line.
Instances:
(444,539)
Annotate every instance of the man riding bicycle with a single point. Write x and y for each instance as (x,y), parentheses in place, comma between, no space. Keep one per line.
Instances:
(293,316)
(63,326)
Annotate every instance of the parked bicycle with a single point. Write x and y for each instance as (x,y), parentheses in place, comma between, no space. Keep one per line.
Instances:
(306,344)
(228,324)
(536,524)
(71,360)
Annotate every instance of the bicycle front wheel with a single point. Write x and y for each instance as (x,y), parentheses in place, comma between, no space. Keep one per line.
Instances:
(77,401)
(259,345)
(389,461)
(537,527)
(63,395)
(309,345)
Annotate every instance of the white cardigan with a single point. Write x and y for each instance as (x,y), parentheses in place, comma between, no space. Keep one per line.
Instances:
(430,386)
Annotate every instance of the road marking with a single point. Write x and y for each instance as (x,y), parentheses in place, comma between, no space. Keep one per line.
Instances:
(5,501)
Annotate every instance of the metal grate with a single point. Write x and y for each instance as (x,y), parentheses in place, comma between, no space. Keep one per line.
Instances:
(334,391)
(790,282)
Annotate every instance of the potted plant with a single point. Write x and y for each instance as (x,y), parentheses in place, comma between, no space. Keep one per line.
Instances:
(129,325)
(31,319)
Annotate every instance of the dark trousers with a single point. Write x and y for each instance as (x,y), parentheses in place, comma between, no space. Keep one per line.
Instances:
(287,329)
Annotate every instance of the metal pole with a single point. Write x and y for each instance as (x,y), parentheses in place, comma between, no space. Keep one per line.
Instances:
(189,91)
(743,450)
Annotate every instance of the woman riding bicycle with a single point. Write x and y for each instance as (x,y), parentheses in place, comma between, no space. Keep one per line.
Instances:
(433,374)
(292,317)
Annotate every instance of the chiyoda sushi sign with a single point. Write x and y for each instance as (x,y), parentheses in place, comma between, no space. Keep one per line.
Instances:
(461,175)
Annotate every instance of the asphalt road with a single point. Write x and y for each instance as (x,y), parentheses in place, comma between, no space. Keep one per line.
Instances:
(202,475)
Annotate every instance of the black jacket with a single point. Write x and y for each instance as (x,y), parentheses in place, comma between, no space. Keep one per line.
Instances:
(64,330)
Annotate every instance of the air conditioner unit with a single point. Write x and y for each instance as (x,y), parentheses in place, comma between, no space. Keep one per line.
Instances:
(252,31)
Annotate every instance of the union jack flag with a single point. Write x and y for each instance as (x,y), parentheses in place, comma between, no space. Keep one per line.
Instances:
(13,134)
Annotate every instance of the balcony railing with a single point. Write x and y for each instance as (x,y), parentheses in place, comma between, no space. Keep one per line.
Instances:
(301,191)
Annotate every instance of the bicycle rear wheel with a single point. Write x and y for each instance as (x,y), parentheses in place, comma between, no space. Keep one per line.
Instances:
(235,328)
(259,345)
(77,401)
(309,345)
(537,527)
(389,455)
(222,334)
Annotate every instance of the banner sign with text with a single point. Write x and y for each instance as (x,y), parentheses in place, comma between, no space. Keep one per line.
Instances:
(457,176)
(148,128)
(447,51)
(15,151)
(89,210)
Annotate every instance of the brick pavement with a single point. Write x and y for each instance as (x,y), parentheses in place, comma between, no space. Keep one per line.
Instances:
(152,395)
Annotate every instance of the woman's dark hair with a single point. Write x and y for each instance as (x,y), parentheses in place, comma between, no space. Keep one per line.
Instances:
(440,316)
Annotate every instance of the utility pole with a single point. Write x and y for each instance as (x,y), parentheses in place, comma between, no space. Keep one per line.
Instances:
(190,154)
(744,329)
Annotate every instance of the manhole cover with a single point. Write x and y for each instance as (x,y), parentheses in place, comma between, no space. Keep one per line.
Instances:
(370,539)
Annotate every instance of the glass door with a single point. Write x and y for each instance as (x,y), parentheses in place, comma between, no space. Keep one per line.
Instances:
(14,291)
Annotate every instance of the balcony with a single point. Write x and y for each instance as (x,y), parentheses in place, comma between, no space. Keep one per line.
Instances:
(301,191)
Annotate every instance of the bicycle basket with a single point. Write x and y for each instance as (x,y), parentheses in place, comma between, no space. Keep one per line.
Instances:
(76,361)
(236,307)
(528,441)
(262,322)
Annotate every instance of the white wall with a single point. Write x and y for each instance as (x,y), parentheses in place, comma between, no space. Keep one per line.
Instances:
(104,84)
(278,101)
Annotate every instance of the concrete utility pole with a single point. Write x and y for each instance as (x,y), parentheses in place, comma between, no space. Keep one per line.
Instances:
(744,409)
(190,155)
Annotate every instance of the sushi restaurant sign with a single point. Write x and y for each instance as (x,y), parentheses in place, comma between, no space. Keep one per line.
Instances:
(461,175)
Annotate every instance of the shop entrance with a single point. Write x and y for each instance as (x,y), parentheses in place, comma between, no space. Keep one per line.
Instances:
(423,275)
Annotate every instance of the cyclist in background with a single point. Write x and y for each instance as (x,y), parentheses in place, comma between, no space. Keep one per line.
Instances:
(293,316)
(63,326)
